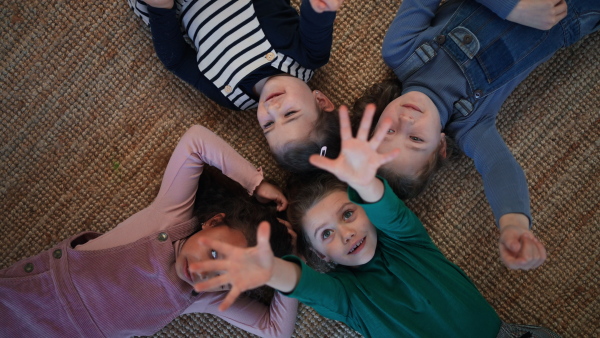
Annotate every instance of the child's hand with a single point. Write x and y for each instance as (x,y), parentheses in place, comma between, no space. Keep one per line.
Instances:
(539,14)
(168,4)
(241,268)
(358,161)
(321,6)
(292,233)
(519,248)
(266,192)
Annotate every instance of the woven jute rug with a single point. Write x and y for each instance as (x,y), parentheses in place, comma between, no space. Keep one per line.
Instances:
(89,118)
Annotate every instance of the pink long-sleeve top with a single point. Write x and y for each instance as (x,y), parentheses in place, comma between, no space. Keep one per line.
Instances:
(123,282)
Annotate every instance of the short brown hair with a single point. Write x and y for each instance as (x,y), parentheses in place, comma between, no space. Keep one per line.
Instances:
(381,94)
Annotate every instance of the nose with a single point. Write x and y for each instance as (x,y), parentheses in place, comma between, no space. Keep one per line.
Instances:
(347,233)
(405,122)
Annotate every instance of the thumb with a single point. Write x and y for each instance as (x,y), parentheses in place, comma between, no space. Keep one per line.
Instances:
(511,243)
(263,234)
(321,162)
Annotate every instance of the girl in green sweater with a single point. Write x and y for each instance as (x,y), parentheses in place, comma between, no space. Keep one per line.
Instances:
(390,279)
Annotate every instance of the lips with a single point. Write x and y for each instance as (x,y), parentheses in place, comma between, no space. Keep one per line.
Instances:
(272,96)
(412,106)
(357,246)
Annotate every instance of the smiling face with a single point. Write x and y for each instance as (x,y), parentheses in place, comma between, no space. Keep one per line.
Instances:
(415,130)
(340,230)
(193,251)
(288,109)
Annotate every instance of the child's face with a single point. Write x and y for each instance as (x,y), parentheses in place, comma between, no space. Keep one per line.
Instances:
(416,131)
(287,110)
(340,230)
(193,251)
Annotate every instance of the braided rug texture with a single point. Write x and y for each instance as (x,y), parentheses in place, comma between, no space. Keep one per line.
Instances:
(89,118)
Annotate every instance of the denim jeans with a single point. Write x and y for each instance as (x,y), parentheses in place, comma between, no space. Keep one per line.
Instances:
(491,51)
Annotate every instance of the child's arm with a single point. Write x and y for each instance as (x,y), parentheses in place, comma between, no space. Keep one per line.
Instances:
(247,268)
(358,161)
(315,37)
(176,54)
(539,14)
(402,37)
(274,320)
(175,200)
(506,189)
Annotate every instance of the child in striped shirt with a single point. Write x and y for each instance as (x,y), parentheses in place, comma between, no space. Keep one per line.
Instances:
(253,54)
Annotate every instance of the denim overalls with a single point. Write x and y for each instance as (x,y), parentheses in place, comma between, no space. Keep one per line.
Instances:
(491,51)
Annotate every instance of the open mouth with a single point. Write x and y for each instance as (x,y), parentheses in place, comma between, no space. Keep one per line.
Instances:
(272,96)
(357,246)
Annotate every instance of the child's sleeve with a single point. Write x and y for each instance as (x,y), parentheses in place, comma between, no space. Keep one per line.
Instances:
(401,38)
(275,320)
(502,8)
(503,178)
(391,216)
(324,293)
(175,200)
(199,146)
(315,35)
(178,56)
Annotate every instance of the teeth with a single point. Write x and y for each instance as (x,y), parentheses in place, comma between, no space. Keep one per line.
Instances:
(356,246)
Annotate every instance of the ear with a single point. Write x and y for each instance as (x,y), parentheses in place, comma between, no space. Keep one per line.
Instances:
(213,221)
(443,146)
(323,102)
(321,256)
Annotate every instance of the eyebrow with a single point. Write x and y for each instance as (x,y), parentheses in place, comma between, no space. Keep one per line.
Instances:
(337,213)
(286,121)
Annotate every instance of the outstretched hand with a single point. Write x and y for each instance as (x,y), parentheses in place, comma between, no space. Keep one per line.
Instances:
(539,14)
(266,192)
(359,160)
(241,268)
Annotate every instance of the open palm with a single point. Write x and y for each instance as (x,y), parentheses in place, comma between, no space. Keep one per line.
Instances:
(359,160)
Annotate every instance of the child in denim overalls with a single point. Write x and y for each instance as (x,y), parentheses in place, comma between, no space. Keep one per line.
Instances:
(457,63)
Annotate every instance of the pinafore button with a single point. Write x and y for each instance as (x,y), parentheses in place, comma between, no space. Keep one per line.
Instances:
(440,39)
(57,253)
(28,267)
(467,39)
(163,236)
(478,93)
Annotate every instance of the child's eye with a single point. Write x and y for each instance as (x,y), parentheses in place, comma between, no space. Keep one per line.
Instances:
(347,214)
(267,125)
(290,113)
(326,234)
(416,139)
(391,131)
(214,254)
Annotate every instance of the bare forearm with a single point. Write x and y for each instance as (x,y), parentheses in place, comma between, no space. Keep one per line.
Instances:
(285,275)
(371,192)
(514,219)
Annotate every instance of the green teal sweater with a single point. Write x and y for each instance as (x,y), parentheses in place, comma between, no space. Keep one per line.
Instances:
(408,289)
